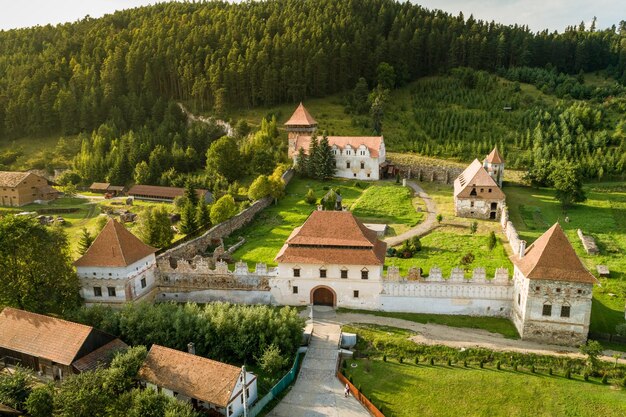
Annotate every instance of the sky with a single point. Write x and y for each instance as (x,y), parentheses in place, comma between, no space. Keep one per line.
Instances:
(537,14)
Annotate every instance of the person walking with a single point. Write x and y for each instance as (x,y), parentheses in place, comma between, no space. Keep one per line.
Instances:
(347,392)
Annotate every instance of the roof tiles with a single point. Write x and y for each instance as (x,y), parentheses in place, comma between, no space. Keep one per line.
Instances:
(475,182)
(301,117)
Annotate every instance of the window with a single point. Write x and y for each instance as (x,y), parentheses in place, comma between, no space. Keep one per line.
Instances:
(111,291)
(294,289)
(519,299)
(296,272)
(362,165)
(344,273)
(471,204)
(547,310)
(230,410)
(143,282)
(355,293)
(347,165)
(354,175)
(482,190)
(537,288)
(242,398)
(364,274)
(175,394)
(322,273)
(558,290)
(97,292)
(580,291)
(368,175)
(565,310)
(490,190)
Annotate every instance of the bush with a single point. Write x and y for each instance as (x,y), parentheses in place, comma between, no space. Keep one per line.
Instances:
(515,366)
(498,365)
(310,197)
(550,371)
(384,358)
(532,369)
(401,359)
(605,378)
(568,374)
(465,363)
(417,360)
(586,376)
(432,361)
(620,329)
(474,227)
(491,240)
(39,402)
(481,364)
(272,360)
(467,259)
(439,218)
(449,362)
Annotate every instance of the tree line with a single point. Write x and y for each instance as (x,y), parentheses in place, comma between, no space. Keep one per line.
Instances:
(218,56)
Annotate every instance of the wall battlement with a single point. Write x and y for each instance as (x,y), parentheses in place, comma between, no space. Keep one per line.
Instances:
(457,275)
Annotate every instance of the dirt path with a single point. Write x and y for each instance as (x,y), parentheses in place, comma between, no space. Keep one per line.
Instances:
(429,223)
(436,334)
(208,120)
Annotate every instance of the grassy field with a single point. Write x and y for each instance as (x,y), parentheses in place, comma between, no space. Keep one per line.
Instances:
(406,390)
(603,216)
(448,244)
(492,324)
(269,230)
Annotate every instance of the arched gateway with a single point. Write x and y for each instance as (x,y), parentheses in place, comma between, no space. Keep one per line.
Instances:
(323,296)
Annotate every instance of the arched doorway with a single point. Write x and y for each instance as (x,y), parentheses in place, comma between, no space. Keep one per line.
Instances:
(323,296)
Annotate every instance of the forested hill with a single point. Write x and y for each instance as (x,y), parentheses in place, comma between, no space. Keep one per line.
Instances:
(218,56)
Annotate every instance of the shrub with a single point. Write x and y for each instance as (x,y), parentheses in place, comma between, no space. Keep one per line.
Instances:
(449,362)
(586,376)
(620,329)
(498,365)
(491,240)
(481,364)
(465,363)
(468,258)
(474,227)
(605,378)
(417,360)
(384,358)
(439,218)
(272,360)
(550,372)
(515,366)
(432,361)
(401,359)
(415,244)
(568,374)
(310,197)
(532,369)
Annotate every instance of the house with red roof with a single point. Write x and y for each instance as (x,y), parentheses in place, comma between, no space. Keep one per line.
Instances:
(333,260)
(357,157)
(118,267)
(552,291)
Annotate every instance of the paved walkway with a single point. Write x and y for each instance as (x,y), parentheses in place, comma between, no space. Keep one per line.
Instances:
(429,223)
(317,391)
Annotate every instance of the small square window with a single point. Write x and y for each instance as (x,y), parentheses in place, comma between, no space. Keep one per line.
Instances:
(354,175)
(580,291)
(490,190)
(347,165)
(143,282)
(565,310)
(322,273)
(547,310)
(364,274)
(344,273)
(294,289)
(97,292)
(355,293)
(296,272)
(111,291)
(537,288)
(362,165)
(368,175)
(558,290)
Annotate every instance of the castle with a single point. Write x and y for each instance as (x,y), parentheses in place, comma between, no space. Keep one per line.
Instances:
(334,260)
(357,157)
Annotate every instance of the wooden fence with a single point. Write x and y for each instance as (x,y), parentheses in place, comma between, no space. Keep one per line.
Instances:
(359,396)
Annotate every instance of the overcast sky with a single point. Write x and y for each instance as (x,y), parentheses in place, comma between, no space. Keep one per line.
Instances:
(537,14)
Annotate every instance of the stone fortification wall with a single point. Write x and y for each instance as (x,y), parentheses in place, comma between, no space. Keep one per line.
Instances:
(425,171)
(211,295)
(510,232)
(190,248)
(456,295)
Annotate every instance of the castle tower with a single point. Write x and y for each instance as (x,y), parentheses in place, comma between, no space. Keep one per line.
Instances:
(494,164)
(300,123)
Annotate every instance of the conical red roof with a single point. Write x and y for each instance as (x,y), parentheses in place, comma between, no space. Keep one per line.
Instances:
(552,257)
(301,117)
(494,157)
(115,246)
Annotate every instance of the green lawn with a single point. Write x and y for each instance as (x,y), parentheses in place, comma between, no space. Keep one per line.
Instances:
(407,390)
(502,326)
(603,216)
(391,204)
(267,233)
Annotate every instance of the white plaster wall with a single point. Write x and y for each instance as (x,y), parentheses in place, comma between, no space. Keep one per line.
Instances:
(236,401)
(369,291)
(119,282)
(463,306)
(371,167)
(333,271)
(116,273)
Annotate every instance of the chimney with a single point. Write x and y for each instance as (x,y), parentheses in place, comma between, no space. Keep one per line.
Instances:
(191,348)
(522,248)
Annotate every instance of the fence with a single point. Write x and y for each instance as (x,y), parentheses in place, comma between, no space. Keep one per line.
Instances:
(607,337)
(280,385)
(359,396)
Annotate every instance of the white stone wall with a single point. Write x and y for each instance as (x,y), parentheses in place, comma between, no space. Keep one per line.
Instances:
(476,208)
(534,294)
(369,289)
(475,295)
(236,401)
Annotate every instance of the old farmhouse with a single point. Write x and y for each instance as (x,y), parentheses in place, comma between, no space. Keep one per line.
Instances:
(117,267)
(552,291)
(359,157)
(476,194)
(21,188)
(332,259)
(205,383)
(53,347)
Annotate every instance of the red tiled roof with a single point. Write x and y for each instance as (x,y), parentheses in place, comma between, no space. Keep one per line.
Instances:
(373,143)
(301,117)
(333,237)
(494,157)
(161,192)
(552,257)
(12,178)
(101,356)
(194,376)
(475,177)
(115,246)
(42,336)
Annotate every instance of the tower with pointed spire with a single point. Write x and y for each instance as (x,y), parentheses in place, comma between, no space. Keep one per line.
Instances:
(552,291)
(494,164)
(300,123)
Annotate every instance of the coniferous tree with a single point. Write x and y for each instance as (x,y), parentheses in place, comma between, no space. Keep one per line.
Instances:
(203,215)
(188,219)
(86,239)
(190,194)
(326,160)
